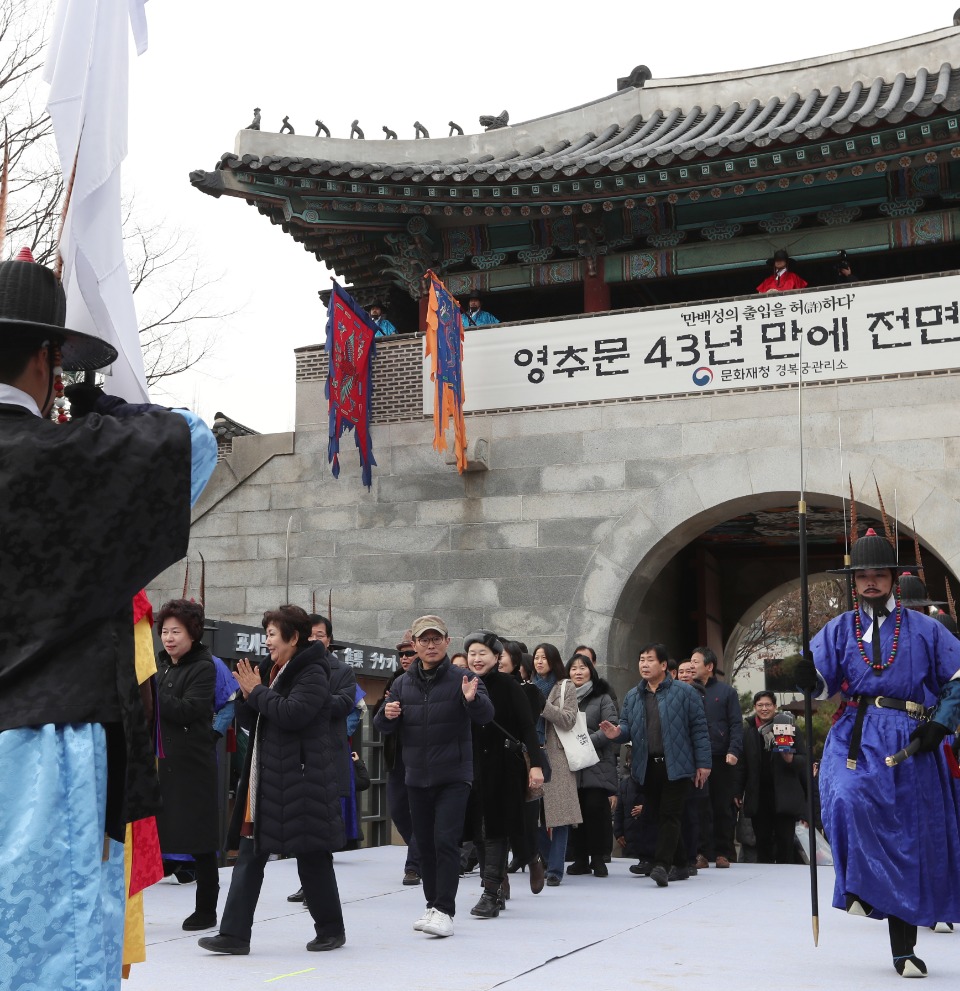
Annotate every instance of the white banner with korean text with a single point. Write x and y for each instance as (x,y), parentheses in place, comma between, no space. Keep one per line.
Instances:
(841,333)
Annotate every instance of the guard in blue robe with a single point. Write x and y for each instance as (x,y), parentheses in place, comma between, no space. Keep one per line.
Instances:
(384,327)
(894,831)
(476,316)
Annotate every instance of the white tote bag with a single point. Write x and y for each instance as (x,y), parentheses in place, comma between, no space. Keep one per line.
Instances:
(576,742)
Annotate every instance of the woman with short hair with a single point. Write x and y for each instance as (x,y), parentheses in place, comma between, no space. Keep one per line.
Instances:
(501,779)
(188,822)
(288,800)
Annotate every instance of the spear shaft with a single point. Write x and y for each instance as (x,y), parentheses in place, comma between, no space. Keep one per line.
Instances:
(805,647)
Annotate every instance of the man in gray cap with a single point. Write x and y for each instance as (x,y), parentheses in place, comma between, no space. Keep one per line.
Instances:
(432,706)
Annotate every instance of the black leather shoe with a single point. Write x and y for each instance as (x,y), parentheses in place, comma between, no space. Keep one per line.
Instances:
(600,869)
(488,907)
(642,869)
(659,874)
(200,920)
(678,874)
(578,868)
(297,896)
(224,944)
(322,943)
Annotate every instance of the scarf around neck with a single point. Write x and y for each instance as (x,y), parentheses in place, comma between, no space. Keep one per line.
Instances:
(545,684)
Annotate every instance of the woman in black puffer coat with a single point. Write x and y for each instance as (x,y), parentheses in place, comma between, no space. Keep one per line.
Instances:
(288,801)
(497,800)
(188,823)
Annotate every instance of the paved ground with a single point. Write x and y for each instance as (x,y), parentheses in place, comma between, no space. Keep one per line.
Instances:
(747,926)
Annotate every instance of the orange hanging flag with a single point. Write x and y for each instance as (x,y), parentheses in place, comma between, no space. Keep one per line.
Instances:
(444,347)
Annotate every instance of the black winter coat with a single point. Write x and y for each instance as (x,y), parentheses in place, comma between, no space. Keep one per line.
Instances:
(434,724)
(724,718)
(188,821)
(500,772)
(343,700)
(297,806)
(789,791)
(596,707)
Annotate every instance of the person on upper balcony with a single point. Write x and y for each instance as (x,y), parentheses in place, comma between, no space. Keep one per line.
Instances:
(781,279)
(475,315)
(384,327)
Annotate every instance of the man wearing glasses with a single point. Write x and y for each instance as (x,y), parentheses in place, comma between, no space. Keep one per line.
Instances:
(432,707)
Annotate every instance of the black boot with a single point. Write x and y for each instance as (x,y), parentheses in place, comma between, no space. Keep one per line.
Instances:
(495,867)
(903,939)
(208,891)
(488,907)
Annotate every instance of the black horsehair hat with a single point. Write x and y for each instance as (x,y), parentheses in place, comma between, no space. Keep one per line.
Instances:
(913,593)
(873,552)
(33,309)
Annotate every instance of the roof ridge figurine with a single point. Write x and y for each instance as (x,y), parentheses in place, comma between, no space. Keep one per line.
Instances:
(287,126)
(390,135)
(321,127)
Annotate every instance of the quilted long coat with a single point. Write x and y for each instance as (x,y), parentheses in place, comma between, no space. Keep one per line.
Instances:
(297,805)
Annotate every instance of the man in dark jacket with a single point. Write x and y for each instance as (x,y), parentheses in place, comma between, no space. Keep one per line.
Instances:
(398,802)
(664,721)
(432,706)
(724,724)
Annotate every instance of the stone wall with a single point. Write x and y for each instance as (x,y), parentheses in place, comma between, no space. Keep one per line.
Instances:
(570,534)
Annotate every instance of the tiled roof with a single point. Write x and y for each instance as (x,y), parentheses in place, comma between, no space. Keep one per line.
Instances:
(810,100)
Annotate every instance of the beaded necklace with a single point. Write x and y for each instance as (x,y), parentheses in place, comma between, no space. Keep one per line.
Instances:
(858,626)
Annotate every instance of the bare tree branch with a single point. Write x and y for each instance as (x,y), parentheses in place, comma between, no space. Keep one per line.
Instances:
(178,325)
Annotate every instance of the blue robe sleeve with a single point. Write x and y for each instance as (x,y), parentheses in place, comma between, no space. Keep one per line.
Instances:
(203,456)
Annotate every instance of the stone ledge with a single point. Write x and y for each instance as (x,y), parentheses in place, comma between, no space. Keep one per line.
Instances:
(247,455)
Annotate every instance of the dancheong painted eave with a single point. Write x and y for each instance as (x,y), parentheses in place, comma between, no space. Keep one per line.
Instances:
(659,122)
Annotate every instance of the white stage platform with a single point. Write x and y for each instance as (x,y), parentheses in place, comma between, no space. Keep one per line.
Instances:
(724,929)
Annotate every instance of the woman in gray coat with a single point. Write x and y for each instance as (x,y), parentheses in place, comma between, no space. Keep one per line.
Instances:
(596,785)
(561,808)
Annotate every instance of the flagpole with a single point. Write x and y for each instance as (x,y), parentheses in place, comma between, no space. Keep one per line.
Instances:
(805,647)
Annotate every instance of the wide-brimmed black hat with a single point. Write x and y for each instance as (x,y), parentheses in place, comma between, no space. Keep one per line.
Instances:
(913,593)
(872,552)
(33,309)
(780,255)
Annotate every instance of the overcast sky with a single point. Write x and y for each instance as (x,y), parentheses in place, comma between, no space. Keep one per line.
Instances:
(209,64)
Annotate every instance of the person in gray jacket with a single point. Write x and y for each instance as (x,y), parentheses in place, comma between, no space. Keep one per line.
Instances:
(597,785)
(665,722)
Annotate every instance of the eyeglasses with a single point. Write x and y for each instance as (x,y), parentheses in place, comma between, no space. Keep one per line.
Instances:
(430,641)
(407,653)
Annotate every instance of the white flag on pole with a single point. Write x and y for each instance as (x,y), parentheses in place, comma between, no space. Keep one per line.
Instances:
(87,68)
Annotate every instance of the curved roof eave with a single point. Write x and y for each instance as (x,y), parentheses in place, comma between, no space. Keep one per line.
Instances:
(894,78)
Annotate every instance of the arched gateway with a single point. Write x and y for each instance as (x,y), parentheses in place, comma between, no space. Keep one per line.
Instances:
(621,423)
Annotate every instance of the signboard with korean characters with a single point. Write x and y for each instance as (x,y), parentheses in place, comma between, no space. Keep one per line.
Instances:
(232,641)
(773,339)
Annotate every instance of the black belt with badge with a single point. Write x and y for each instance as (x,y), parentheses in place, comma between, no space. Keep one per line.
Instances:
(862,702)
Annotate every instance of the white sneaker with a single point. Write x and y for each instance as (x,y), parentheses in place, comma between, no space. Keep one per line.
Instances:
(423,920)
(440,924)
